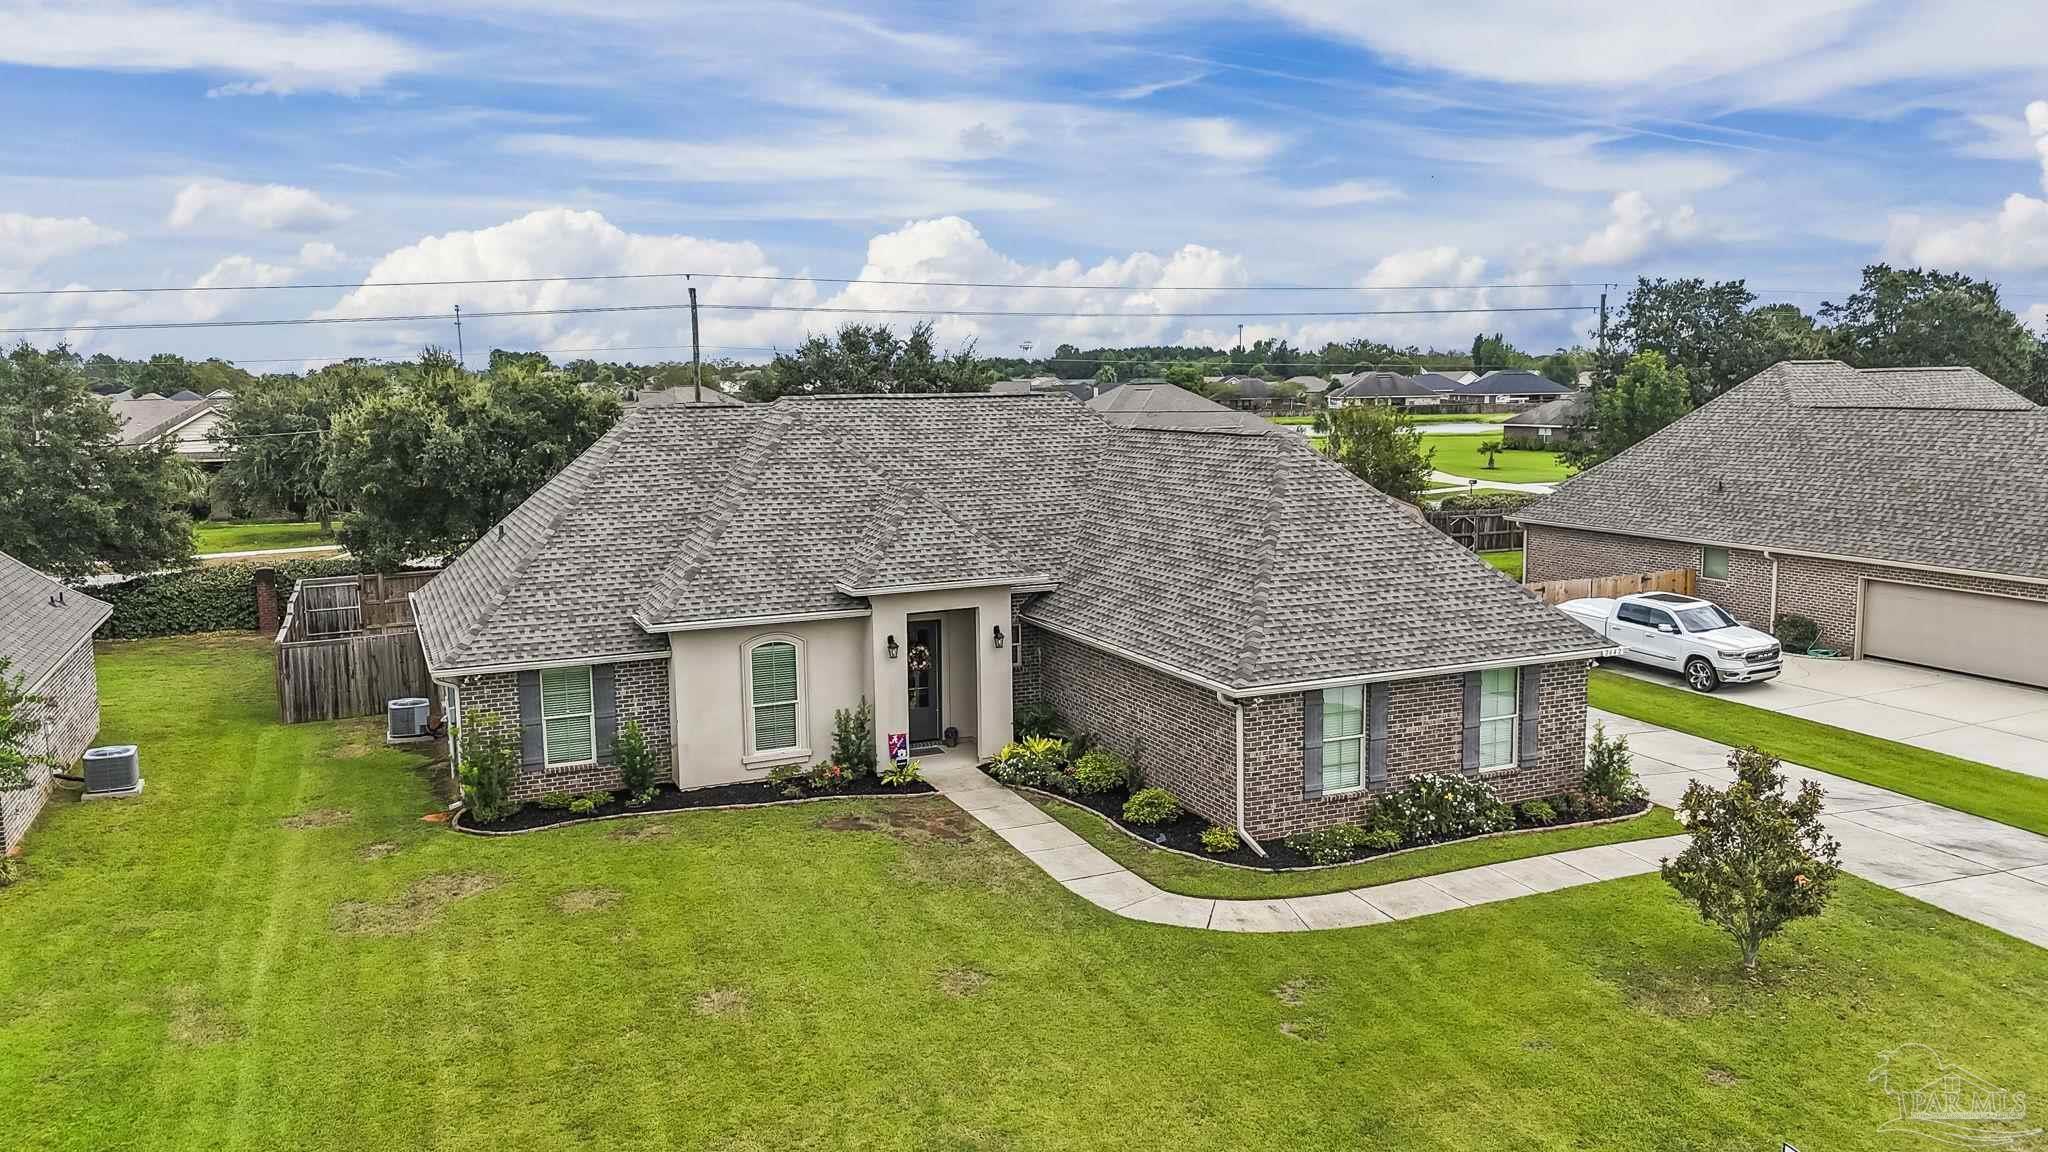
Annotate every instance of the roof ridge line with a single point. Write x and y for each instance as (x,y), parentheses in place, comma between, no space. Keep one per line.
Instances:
(616,434)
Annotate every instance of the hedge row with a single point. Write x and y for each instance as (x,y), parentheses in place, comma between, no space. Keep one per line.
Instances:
(220,599)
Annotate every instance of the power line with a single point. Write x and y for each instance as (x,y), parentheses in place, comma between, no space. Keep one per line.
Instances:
(1155,362)
(782,279)
(418,317)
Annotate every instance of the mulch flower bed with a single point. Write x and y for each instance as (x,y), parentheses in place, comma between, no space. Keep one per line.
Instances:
(1185,834)
(752,794)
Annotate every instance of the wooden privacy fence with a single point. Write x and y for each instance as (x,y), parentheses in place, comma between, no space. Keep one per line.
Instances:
(1480,531)
(1679,580)
(346,645)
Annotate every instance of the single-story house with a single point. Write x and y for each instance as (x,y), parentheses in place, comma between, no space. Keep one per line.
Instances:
(187,419)
(1164,405)
(1311,386)
(1443,383)
(1382,388)
(1510,386)
(1554,422)
(1264,634)
(1904,510)
(46,641)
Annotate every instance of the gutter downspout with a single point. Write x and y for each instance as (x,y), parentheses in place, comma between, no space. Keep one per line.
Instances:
(1773,622)
(1237,710)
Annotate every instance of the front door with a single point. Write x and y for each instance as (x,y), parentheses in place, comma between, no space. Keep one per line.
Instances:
(926,721)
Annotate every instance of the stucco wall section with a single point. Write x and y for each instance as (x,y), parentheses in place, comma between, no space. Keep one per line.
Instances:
(70,711)
(1826,591)
(642,689)
(710,695)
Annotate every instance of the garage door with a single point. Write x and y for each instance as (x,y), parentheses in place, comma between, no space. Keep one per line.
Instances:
(1997,636)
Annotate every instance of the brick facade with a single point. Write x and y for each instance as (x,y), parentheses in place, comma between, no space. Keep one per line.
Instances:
(1827,592)
(1182,739)
(642,690)
(70,709)
(1024,656)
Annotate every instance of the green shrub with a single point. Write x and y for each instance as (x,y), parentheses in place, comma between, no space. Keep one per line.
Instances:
(556,801)
(1101,770)
(1539,812)
(1795,633)
(1036,720)
(899,775)
(1031,763)
(1380,840)
(1440,807)
(1218,840)
(828,776)
(490,766)
(1150,806)
(853,738)
(642,799)
(11,870)
(792,777)
(1488,501)
(1332,845)
(635,763)
(217,599)
(1610,771)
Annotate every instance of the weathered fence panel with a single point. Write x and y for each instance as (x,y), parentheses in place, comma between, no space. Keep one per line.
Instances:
(1679,580)
(346,645)
(1480,531)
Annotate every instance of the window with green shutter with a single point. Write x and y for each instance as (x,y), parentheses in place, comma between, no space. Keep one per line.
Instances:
(772,695)
(568,728)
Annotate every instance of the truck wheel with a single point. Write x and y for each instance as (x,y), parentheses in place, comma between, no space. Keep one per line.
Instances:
(1701,675)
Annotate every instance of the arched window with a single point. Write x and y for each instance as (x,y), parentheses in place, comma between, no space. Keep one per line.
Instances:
(774,697)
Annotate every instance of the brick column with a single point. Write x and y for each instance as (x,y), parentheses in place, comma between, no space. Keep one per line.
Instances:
(266,601)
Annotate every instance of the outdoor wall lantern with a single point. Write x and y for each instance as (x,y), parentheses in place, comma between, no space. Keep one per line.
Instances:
(893,650)
(999,635)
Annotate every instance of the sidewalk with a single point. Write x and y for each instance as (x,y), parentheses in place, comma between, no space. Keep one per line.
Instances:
(1978,869)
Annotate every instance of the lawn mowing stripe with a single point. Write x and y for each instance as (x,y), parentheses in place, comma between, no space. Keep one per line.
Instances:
(1995,794)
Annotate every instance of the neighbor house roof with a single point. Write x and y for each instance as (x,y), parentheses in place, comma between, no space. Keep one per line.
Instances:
(1167,406)
(1438,381)
(1377,385)
(1513,382)
(148,419)
(1936,467)
(1309,384)
(41,621)
(1563,412)
(1235,556)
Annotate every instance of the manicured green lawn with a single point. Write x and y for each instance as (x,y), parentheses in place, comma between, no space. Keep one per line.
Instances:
(249,535)
(1292,419)
(1509,562)
(1965,785)
(187,970)
(1458,417)
(1458,453)
(1191,877)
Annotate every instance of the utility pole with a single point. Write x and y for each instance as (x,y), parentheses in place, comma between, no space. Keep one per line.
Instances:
(1602,342)
(1240,337)
(696,357)
(460,358)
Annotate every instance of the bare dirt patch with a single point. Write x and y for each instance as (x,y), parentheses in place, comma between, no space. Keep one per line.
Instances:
(918,823)
(722,1001)
(1293,993)
(377,851)
(580,900)
(960,983)
(198,1020)
(319,818)
(359,740)
(416,909)
(635,831)
(1721,1077)
(1302,1029)
(1537,1044)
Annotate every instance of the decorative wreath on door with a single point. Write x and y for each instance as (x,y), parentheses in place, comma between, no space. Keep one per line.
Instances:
(920,657)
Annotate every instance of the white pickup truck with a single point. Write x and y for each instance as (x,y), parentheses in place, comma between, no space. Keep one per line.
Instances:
(1681,634)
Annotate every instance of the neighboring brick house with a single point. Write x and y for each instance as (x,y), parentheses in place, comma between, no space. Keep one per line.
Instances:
(1264,634)
(46,641)
(1904,511)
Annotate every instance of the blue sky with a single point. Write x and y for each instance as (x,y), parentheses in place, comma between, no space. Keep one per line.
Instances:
(1148,158)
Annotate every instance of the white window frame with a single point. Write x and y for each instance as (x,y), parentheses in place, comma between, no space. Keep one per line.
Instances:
(588,716)
(1358,739)
(1513,719)
(754,753)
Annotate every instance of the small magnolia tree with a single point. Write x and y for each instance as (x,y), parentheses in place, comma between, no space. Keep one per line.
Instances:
(636,764)
(21,723)
(1757,860)
(1610,769)
(490,766)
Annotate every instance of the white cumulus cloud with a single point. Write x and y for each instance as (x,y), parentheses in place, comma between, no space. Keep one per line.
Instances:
(27,241)
(1345,193)
(319,254)
(262,207)
(1634,227)
(2016,236)
(1221,138)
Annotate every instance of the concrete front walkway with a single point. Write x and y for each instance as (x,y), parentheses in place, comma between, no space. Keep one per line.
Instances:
(1989,721)
(1979,869)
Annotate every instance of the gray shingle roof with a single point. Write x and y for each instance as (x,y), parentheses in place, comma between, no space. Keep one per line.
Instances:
(1560,413)
(1513,382)
(1167,406)
(143,420)
(1781,461)
(1371,385)
(36,635)
(1236,554)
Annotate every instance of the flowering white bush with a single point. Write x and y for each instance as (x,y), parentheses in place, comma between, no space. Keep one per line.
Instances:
(1440,807)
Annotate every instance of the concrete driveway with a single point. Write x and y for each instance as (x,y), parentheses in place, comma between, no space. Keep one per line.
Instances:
(1989,721)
